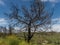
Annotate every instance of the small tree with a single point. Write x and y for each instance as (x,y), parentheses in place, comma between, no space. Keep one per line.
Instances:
(32,18)
(10,29)
(4,31)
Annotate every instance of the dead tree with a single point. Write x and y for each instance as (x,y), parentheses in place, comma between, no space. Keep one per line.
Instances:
(10,30)
(33,17)
(4,31)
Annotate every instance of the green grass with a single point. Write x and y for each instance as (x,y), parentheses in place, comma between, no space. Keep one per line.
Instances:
(38,39)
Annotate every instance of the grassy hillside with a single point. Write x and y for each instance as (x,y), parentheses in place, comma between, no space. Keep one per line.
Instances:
(38,39)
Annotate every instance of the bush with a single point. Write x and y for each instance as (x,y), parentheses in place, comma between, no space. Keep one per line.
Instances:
(13,42)
(23,43)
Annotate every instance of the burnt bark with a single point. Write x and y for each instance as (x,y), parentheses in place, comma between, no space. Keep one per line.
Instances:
(29,32)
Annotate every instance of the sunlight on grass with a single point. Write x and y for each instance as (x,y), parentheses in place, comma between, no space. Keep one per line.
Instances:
(36,40)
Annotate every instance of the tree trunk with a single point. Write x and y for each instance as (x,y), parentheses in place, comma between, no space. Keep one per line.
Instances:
(10,31)
(29,34)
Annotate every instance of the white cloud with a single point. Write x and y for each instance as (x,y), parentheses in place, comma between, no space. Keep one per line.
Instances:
(56,21)
(56,27)
(44,0)
(17,28)
(2,2)
(2,19)
(3,22)
(50,1)
(53,2)
(56,24)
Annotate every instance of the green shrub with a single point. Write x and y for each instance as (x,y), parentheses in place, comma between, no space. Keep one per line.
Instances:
(13,42)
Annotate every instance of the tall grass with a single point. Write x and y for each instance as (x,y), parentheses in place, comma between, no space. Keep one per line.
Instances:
(38,39)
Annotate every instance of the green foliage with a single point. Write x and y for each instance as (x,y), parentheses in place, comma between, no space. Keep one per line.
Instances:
(23,43)
(13,42)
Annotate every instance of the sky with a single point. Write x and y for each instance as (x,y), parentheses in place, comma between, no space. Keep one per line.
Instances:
(5,6)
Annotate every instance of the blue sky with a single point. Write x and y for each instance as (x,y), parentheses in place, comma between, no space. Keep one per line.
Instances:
(5,7)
